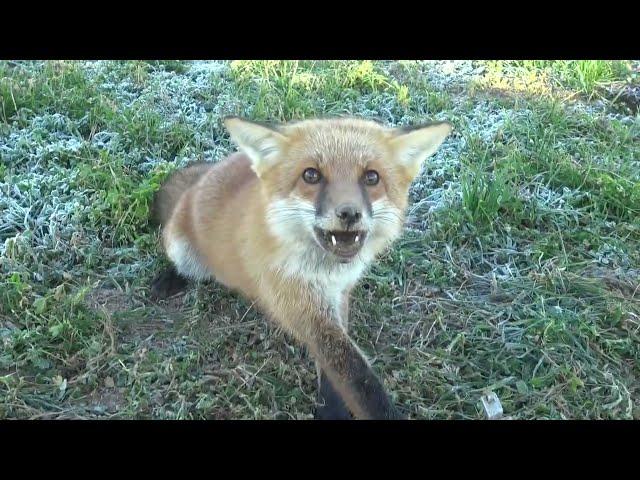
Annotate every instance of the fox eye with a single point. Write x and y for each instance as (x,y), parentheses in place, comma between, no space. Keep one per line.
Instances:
(311,175)
(371,178)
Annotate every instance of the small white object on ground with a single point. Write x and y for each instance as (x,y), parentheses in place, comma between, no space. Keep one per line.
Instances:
(492,406)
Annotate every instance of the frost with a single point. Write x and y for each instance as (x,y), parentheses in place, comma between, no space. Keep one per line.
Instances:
(444,74)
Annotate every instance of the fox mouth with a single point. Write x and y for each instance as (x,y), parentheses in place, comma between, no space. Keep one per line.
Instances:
(343,244)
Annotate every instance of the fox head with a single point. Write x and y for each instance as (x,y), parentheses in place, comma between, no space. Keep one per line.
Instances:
(340,185)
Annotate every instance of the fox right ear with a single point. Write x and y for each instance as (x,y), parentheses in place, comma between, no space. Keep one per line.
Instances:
(261,144)
(413,145)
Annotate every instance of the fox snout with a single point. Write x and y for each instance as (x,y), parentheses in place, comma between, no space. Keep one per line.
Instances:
(343,205)
(349,214)
(342,228)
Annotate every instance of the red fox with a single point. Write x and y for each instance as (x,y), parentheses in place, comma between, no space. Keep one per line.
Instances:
(292,221)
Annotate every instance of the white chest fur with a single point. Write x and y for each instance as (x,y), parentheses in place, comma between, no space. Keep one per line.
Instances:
(326,277)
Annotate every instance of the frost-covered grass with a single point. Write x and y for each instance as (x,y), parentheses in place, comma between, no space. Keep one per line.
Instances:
(519,272)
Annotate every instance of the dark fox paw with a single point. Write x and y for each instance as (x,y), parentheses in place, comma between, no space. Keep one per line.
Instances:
(330,405)
(332,412)
(167,284)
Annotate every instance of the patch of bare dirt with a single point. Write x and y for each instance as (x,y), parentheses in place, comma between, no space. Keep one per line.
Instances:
(111,300)
(626,283)
(106,401)
(627,97)
(134,319)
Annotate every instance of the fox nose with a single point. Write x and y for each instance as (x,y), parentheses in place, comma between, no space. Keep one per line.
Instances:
(348,214)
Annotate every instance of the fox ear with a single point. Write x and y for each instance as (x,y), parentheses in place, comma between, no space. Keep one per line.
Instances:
(412,146)
(261,143)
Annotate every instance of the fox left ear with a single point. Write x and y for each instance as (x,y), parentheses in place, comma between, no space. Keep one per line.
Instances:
(261,143)
(414,145)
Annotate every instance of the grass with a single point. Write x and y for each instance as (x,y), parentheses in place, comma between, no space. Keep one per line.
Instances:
(518,272)
(588,79)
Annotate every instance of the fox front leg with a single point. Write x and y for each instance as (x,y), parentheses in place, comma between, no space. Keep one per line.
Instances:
(330,405)
(349,375)
(314,322)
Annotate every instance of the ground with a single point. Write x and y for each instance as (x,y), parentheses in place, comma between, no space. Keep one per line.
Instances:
(518,273)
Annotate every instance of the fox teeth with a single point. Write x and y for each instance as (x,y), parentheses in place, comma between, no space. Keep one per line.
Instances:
(333,240)
(357,238)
